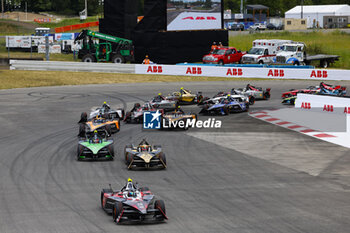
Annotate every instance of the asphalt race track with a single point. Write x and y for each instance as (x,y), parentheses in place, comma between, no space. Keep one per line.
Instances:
(209,185)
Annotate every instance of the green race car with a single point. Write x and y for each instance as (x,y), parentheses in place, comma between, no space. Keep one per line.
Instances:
(94,148)
(289,100)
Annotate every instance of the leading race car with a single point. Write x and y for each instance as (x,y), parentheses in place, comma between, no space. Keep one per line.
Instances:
(132,204)
(95,147)
(107,112)
(226,106)
(257,92)
(144,155)
(186,97)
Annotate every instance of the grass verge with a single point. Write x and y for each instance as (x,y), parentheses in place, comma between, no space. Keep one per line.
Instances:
(22,79)
(336,43)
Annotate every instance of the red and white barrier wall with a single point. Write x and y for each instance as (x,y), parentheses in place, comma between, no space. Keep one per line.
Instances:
(323,103)
(244,72)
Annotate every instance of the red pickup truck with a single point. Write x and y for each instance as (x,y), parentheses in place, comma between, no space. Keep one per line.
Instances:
(223,55)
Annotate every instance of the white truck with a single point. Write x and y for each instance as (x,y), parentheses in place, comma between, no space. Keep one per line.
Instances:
(263,51)
(294,53)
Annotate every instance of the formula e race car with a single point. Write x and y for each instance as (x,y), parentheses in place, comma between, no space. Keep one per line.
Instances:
(136,113)
(178,119)
(160,102)
(289,100)
(226,106)
(144,155)
(222,95)
(257,92)
(101,124)
(294,92)
(132,204)
(95,147)
(326,89)
(107,112)
(185,97)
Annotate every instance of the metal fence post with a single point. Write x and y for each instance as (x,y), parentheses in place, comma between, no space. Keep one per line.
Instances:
(47,47)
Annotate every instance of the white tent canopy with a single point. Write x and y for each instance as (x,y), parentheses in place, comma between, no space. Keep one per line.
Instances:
(316,12)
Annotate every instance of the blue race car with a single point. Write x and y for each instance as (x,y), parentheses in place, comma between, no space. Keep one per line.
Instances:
(226,105)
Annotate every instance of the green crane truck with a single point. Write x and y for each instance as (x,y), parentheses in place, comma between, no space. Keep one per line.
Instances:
(107,48)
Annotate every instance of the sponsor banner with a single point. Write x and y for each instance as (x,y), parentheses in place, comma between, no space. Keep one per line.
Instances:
(25,41)
(64,36)
(323,103)
(244,72)
(53,49)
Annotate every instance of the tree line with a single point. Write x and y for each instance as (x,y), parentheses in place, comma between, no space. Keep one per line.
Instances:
(73,7)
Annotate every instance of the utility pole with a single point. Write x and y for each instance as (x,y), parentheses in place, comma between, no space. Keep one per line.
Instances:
(301,12)
(26,13)
(2,8)
(242,6)
(86,13)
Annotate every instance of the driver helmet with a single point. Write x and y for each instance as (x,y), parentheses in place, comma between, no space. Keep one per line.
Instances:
(96,138)
(144,148)
(131,194)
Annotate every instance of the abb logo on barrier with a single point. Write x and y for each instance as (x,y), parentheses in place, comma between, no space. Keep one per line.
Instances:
(347,110)
(155,69)
(234,72)
(305,105)
(199,18)
(328,108)
(194,70)
(319,74)
(276,73)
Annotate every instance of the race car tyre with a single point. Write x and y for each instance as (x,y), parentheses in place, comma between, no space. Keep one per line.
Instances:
(137,105)
(144,189)
(199,99)
(127,118)
(118,59)
(221,62)
(159,204)
(79,151)
(261,62)
(163,158)
(102,193)
(108,130)
(111,150)
(251,100)
(292,101)
(126,147)
(226,110)
(83,117)
(117,210)
(82,132)
(266,96)
(88,58)
(129,159)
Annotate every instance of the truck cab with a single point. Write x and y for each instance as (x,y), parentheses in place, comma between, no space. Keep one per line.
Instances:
(291,53)
(223,55)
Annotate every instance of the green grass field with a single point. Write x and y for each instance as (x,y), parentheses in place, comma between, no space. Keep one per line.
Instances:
(336,42)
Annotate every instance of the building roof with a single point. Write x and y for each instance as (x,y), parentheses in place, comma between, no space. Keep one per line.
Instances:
(332,9)
(256,7)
